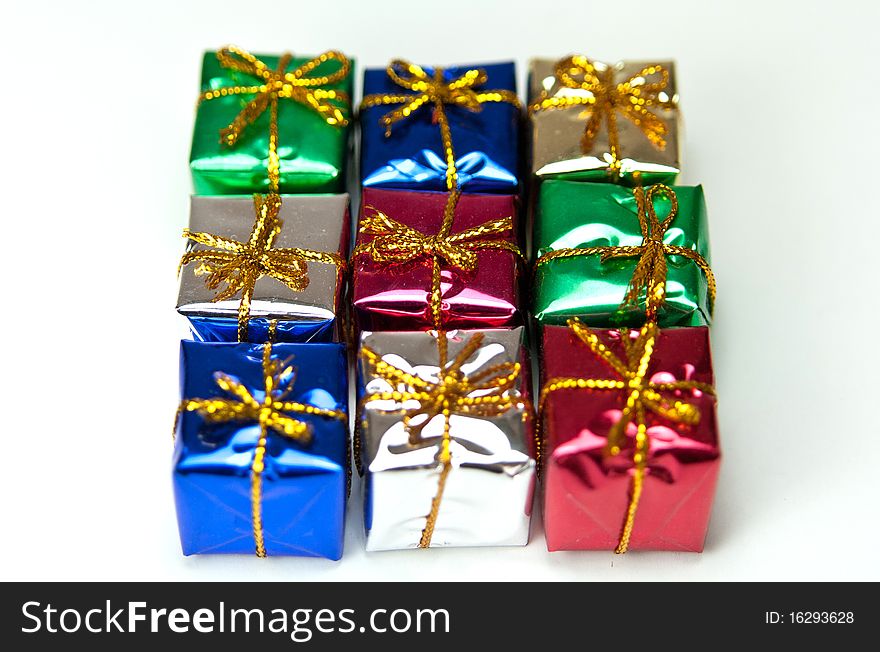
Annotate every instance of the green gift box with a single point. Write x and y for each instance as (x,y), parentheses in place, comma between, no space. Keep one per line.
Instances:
(595,242)
(268,123)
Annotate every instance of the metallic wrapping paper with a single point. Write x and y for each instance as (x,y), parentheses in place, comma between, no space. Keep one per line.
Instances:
(573,215)
(303,485)
(397,297)
(488,493)
(556,135)
(312,153)
(319,222)
(412,158)
(586,494)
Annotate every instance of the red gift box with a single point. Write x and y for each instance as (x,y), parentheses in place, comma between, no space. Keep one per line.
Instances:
(396,295)
(588,488)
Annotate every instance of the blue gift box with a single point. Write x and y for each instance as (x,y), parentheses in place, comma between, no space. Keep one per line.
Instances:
(485,141)
(302,484)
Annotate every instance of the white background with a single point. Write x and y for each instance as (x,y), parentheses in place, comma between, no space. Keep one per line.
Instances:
(781,105)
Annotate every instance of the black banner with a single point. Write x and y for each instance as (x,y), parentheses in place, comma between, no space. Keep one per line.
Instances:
(284,616)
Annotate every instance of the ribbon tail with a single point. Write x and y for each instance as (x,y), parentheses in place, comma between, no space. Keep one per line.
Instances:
(640,460)
(253,110)
(435,298)
(648,123)
(635,494)
(257,468)
(244,310)
(655,294)
(591,129)
(445,458)
(702,263)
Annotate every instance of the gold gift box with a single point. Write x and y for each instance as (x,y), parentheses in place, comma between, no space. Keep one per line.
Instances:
(621,93)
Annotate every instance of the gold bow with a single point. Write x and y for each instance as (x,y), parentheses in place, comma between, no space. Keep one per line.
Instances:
(395,243)
(272,413)
(240,264)
(434,89)
(650,271)
(486,393)
(298,85)
(642,396)
(633,98)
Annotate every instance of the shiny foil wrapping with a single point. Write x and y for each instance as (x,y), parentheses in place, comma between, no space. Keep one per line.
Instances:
(556,135)
(318,222)
(575,215)
(303,485)
(397,296)
(586,493)
(488,492)
(412,157)
(312,153)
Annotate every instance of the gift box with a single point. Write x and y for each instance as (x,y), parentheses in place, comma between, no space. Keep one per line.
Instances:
(269,123)
(605,252)
(406,149)
(596,121)
(252,260)
(601,413)
(463,479)
(398,246)
(261,457)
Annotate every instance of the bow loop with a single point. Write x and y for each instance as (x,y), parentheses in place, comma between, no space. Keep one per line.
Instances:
(408,75)
(653,227)
(646,84)
(313,73)
(578,72)
(235,58)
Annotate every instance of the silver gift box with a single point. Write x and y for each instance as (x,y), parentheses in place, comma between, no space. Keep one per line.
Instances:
(317,222)
(488,490)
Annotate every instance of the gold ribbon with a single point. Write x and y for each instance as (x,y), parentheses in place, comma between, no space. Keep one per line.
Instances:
(301,85)
(240,264)
(272,414)
(650,272)
(633,99)
(395,243)
(642,396)
(433,89)
(452,393)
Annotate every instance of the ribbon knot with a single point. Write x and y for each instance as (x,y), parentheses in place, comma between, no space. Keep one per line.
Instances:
(649,276)
(486,393)
(397,243)
(641,394)
(596,90)
(303,85)
(433,89)
(272,413)
(238,265)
